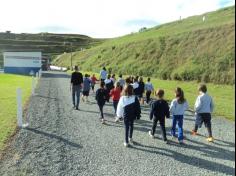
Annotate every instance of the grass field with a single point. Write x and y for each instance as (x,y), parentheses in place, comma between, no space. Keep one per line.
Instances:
(8,86)
(223,95)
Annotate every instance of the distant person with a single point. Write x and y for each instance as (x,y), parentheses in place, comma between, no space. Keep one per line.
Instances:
(86,88)
(159,111)
(113,78)
(149,89)
(135,85)
(121,81)
(141,90)
(177,108)
(129,109)
(109,85)
(93,82)
(127,81)
(116,94)
(101,97)
(103,74)
(203,107)
(76,86)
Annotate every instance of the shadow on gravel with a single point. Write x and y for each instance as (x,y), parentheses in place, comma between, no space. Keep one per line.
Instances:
(190,160)
(211,150)
(59,138)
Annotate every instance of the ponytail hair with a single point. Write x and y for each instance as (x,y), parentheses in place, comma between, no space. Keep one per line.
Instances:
(180,95)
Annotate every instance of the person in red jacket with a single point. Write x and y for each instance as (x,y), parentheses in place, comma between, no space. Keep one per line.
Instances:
(115,94)
(93,80)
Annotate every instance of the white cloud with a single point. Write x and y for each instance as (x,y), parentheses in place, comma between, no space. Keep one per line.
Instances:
(97,18)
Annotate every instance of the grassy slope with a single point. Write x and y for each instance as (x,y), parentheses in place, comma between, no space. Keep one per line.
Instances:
(181,50)
(8,85)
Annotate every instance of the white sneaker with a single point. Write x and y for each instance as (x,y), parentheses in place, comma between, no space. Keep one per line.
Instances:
(126,144)
(103,121)
(116,119)
(181,142)
(150,134)
(131,140)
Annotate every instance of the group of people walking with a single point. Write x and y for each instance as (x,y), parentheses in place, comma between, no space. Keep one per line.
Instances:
(127,98)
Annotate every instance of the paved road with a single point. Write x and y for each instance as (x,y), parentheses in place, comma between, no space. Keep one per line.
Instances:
(62,141)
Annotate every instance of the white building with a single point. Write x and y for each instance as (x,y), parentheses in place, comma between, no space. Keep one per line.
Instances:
(22,62)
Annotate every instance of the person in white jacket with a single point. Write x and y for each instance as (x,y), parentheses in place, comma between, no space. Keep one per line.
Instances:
(128,108)
(177,108)
(204,106)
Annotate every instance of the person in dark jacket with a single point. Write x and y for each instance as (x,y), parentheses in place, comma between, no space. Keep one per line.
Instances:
(159,111)
(141,90)
(109,86)
(129,109)
(76,86)
(101,97)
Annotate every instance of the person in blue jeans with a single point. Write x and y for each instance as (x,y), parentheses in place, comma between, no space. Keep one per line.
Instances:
(76,86)
(177,108)
(128,108)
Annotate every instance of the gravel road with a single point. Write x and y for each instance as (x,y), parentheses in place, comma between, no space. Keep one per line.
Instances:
(62,141)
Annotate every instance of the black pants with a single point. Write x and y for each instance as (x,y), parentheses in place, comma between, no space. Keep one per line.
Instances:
(203,118)
(129,127)
(115,104)
(101,105)
(162,124)
(148,95)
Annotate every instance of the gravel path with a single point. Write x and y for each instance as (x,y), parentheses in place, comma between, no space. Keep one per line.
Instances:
(62,141)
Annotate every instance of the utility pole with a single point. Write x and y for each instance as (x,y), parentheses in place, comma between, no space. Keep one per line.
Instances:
(71,64)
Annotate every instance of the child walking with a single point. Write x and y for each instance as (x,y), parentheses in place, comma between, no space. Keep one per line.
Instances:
(141,90)
(109,86)
(115,94)
(159,111)
(93,82)
(203,107)
(129,109)
(101,96)
(86,88)
(149,89)
(177,108)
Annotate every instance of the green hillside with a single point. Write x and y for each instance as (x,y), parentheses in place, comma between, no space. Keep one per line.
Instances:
(189,49)
(48,43)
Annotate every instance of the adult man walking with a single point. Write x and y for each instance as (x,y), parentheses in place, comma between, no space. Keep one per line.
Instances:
(76,86)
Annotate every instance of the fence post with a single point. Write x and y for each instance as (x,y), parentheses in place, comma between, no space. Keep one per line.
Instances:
(33,85)
(19,107)
(40,73)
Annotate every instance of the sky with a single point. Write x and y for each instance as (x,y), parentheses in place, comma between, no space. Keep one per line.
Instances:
(98,18)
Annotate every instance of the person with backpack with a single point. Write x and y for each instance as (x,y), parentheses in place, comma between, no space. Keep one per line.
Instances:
(76,86)
(101,97)
(177,108)
(128,108)
(86,88)
(109,86)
